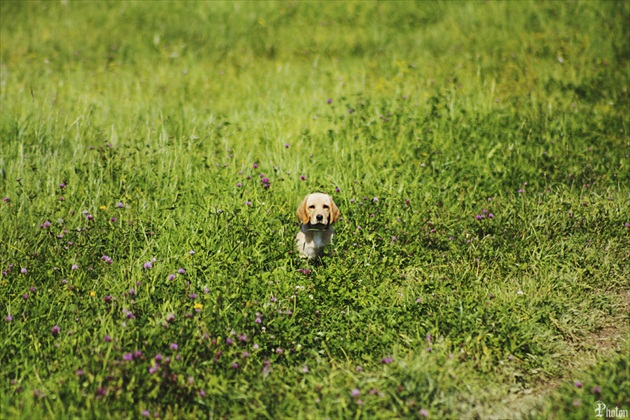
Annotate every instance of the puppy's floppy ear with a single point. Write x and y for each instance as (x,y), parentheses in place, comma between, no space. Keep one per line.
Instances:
(302,214)
(334,212)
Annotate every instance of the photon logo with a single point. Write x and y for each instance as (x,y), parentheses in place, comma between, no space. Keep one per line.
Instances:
(601,410)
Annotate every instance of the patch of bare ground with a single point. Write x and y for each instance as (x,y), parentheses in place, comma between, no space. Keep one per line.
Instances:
(585,354)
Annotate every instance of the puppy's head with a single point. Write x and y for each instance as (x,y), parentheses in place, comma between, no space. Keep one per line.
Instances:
(318,210)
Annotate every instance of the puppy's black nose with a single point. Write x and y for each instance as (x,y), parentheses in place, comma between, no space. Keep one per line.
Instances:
(319,217)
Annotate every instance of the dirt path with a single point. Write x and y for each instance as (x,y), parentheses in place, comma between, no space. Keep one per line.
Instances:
(588,352)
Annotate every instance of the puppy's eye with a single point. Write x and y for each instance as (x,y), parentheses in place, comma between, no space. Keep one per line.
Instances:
(325,206)
(312,206)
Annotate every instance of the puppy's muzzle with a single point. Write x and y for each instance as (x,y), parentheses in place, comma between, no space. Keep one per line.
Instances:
(319,218)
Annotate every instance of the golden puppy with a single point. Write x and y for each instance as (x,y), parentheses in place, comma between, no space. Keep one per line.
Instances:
(317,212)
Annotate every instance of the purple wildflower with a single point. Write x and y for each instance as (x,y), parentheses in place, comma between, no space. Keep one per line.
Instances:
(127,357)
(303,178)
(8,318)
(355,392)
(120,205)
(424,413)
(107,339)
(24,271)
(387,360)
(578,384)
(174,346)
(55,330)
(148,265)
(181,271)
(170,317)
(329,101)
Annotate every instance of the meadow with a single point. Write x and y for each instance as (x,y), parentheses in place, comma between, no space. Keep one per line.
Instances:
(153,154)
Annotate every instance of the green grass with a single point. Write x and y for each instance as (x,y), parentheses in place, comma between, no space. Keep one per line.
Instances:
(478,153)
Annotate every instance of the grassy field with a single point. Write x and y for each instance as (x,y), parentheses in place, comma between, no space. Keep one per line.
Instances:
(479,155)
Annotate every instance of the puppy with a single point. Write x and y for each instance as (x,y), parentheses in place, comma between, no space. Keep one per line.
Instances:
(317,212)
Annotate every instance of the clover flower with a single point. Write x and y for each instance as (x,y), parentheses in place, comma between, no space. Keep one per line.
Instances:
(55,330)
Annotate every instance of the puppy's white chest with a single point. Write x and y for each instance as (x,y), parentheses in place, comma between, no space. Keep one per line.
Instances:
(318,239)
(311,242)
